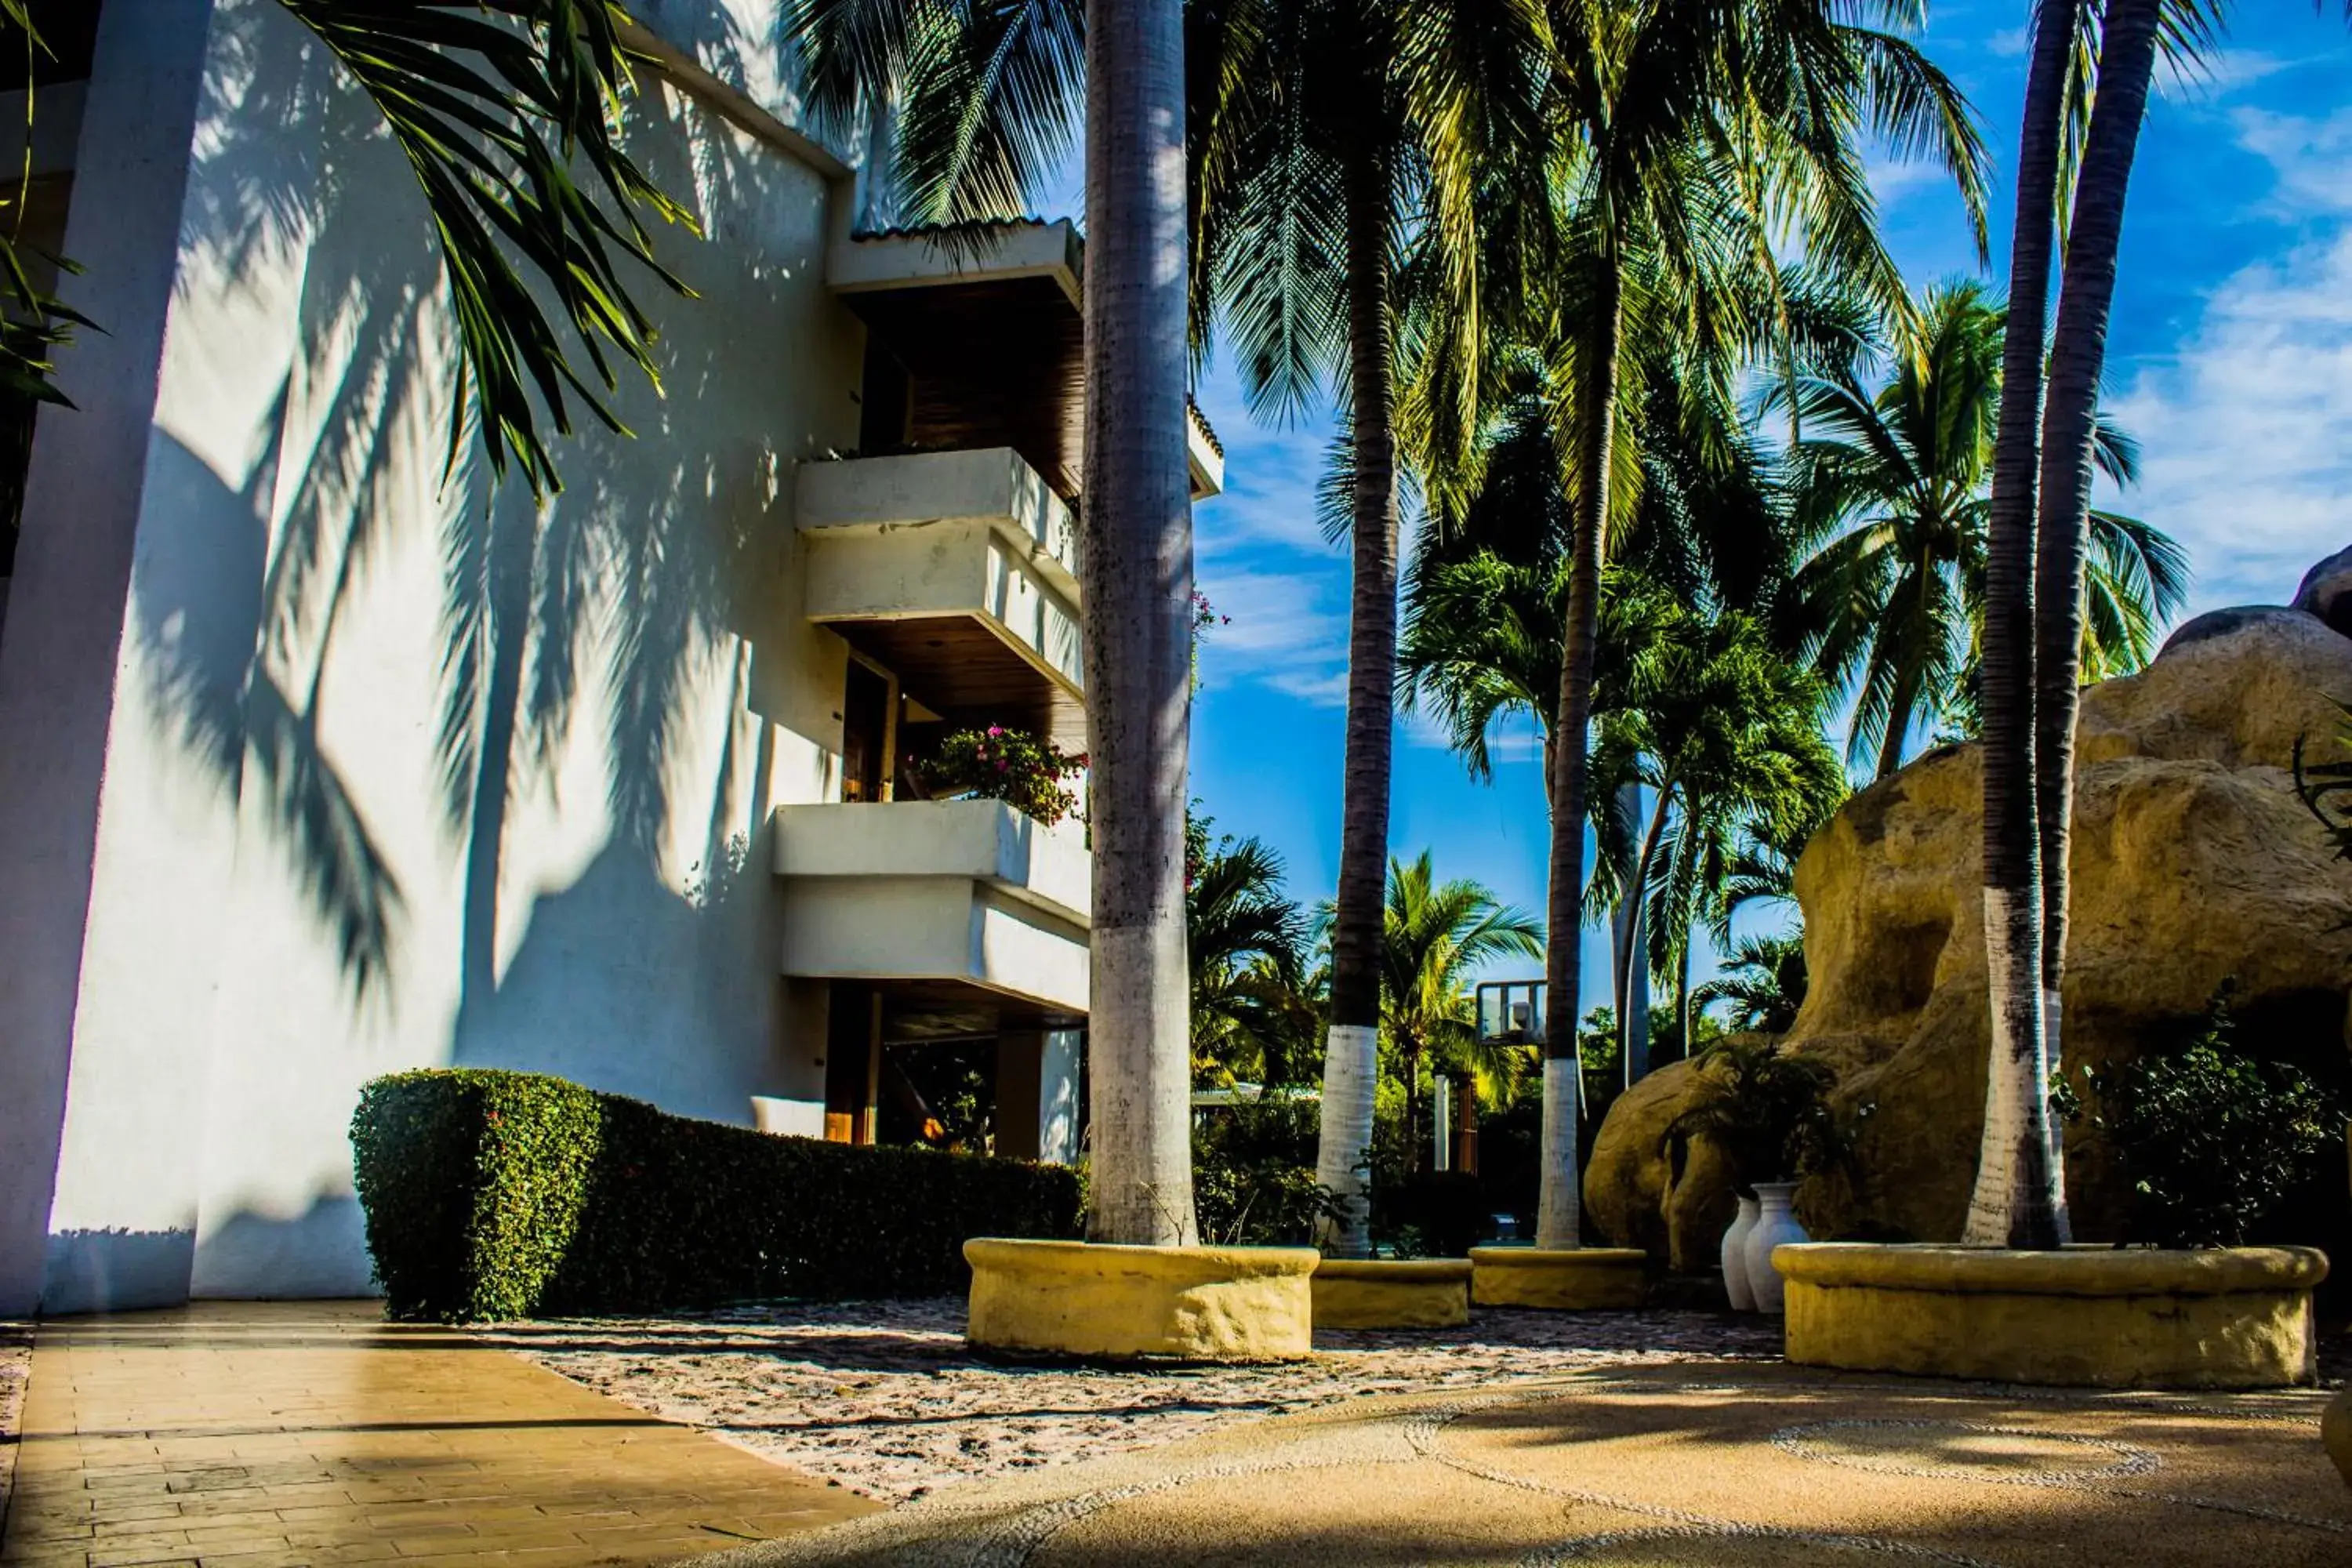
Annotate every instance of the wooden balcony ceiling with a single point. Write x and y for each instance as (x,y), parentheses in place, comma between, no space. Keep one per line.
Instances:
(961,669)
(994,363)
(921,1010)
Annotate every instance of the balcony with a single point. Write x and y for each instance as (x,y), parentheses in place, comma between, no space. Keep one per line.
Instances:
(969,904)
(958,571)
(990,332)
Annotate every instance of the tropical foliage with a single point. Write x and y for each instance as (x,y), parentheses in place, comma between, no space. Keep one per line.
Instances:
(1256,1009)
(1889,488)
(1014,766)
(1768,1110)
(510,114)
(2211,1138)
(1762,984)
(1434,938)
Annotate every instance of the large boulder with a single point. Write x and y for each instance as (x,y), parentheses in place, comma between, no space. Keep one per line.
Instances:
(2194,862)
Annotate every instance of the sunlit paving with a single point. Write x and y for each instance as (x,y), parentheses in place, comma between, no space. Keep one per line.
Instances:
(1110,782)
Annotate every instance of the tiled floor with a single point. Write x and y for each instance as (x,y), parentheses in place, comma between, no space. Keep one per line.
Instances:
(265,1434)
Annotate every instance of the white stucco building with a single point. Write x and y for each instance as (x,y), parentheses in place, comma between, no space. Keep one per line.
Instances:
(318,768)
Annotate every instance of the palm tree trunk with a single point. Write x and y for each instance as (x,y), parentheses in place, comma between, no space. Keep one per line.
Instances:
(1138,601)
(1558,1202)
(2019,1200)
(2078,354)
(1351,1049)
(1633,981)
(1683,995)
(1411,1109)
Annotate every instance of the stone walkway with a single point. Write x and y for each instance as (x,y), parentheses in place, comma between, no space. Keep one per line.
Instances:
(260,1435)
(315,1433)
(887,1398)
(1734,1465)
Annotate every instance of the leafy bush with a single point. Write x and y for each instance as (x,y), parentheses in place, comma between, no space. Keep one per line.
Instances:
(1010,765)
(1253,1175)
(503,1195)
(2210,1138)
(1768,1110)
(1433,1213)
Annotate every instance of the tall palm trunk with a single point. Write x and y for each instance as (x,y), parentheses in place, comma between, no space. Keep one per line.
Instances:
(2078,354)
(1351,1049)
(1559,1201)
(1629,953)
(1683,996)
(1634,962)
(2020,1197)
(1413,1150)
(1138,599)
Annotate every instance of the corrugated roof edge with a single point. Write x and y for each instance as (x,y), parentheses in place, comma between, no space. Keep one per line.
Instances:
(1208,431)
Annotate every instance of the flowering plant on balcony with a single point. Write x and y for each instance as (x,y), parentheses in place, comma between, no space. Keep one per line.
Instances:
(1010,765)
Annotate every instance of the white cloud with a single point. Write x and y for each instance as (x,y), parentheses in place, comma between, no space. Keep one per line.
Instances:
(2310,159)
(2221,72)
(2243,430)
(1270,476)
(1287,628)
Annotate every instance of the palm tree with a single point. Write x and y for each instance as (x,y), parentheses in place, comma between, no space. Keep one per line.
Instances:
(1139,622)
(2064,523)
(1762,868)
(1890,486)
(1320,136)
(1764,981)
(1328,139)
(1247,946)
(982,98)
(494,103)
(1433,936)
(2020,1198)
(1726,732)
(1698,130)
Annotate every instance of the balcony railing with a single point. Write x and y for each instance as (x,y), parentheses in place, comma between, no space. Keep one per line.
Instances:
(960,572)
(967,891)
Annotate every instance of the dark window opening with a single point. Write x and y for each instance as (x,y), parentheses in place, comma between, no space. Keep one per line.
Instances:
(866,732)
(885,405)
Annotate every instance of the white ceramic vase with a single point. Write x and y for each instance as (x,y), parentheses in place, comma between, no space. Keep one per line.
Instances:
(1776,1225)
(1735,1255)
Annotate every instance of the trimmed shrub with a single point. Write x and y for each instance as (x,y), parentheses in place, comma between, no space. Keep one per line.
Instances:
(504,1194)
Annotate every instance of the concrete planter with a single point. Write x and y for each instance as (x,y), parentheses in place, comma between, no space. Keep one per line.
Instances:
(1578,1279)
(2336,1432)
(1121,1303)
(1384,1293)
(2226,1317)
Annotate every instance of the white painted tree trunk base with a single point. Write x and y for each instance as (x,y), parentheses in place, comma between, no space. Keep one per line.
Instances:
(1343,1148)
(2017,1116)
(1559,1211)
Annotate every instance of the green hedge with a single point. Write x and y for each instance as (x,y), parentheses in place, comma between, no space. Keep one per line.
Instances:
(506,1194)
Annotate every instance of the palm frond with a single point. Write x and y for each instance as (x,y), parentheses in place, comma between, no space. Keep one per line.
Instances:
(496,103)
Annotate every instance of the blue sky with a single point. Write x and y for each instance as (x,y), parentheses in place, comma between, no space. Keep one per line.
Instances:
(2230,359)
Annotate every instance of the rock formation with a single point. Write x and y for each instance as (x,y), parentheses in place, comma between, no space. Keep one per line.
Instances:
(2193,863)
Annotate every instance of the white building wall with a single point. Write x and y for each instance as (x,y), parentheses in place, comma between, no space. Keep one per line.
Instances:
(402,774)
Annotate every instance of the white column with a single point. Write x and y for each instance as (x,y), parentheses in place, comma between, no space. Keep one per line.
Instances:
(60,665)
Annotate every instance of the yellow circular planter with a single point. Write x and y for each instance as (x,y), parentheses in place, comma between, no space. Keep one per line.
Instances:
(2336,1432)
(1121,1304)
(1566,1279)
(2224,1318)
(1391,1293)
